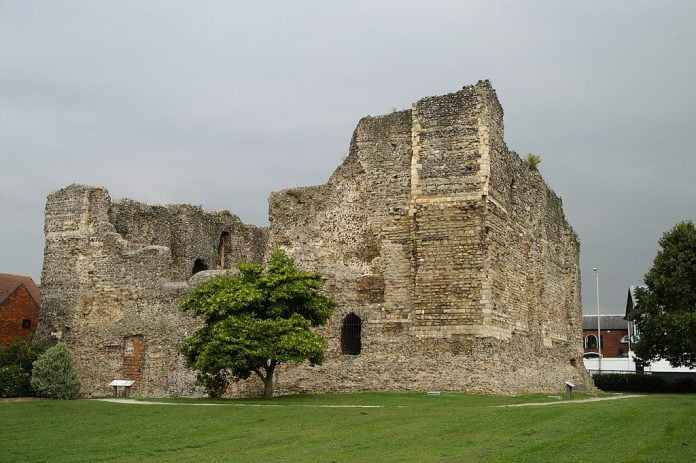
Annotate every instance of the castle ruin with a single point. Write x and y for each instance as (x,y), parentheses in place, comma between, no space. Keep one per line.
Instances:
(450,258)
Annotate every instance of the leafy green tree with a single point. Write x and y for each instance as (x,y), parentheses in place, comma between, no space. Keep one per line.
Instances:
(54,375)
(665,312)
(255,321)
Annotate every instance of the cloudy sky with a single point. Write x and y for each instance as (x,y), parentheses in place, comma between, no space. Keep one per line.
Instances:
(219,103)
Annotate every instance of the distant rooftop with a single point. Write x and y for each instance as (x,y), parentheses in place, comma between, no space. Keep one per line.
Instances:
(9,283)
(608,322)
(631,301)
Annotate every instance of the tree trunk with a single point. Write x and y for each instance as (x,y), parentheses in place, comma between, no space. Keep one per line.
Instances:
(268,380)
(268,386)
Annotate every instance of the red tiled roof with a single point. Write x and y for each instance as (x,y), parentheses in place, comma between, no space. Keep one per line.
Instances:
(9,282)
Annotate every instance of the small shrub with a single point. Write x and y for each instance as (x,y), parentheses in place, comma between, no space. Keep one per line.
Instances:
(14,381)
(54,374)
(533,160)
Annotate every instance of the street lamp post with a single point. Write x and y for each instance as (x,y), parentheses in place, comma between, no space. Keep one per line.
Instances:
(599,331)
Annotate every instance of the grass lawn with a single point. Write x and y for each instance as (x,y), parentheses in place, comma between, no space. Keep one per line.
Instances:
(408,427)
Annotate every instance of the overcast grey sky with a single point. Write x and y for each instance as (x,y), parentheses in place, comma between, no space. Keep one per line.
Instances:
(219,103)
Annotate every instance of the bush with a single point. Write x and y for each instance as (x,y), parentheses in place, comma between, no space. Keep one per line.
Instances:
(23,352)
(642,383)
(16,361)
(54,374)
(14,381)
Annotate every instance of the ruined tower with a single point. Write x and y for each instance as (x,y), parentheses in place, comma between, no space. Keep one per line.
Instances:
(450,259)
(451,250)
(114,275)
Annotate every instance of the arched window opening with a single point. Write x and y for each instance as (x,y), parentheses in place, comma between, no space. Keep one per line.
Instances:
(223,250)
(351,342)
(591,342)
(198,266)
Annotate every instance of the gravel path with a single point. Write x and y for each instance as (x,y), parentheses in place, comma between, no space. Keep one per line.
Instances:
(146,402)
(581,401)
(526,404)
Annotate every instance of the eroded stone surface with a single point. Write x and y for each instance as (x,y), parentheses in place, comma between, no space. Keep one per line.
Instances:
(453,252)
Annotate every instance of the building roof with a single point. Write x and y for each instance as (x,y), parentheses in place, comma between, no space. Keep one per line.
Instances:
(608,322)
(9,283)
(631,300)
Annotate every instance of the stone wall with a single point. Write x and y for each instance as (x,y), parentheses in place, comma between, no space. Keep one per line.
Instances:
(452,250)
(114,275)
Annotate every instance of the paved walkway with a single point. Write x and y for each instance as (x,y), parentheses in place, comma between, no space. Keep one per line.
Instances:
(581,401)
(146,402)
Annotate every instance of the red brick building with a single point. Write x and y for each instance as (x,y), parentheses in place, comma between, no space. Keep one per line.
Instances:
(19,307)
(613,336)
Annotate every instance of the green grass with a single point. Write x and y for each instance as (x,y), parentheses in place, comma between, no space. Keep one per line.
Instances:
(409,427)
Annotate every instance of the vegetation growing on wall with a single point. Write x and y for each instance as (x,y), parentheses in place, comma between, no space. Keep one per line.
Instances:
(533,160)
(296,195)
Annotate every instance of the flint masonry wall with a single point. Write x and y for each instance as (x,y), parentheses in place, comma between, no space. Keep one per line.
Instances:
(452,250)
(114,275)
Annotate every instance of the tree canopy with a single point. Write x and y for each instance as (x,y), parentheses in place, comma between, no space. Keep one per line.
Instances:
(665,313)
(254,321)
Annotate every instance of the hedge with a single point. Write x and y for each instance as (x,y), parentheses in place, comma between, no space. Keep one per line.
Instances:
(643,383)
